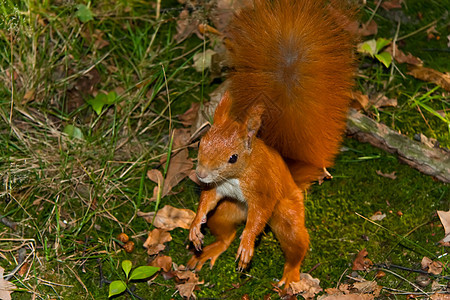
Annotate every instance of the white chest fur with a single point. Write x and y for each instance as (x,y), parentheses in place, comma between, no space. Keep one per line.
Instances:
(231,188)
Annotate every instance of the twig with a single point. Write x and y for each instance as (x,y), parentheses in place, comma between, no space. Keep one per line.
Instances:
(8,222)
(403,278)
(388,266)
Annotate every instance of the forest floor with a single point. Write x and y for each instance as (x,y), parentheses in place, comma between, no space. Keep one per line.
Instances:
(90,92)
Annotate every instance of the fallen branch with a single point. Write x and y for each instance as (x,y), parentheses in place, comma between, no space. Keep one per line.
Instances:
(430,161)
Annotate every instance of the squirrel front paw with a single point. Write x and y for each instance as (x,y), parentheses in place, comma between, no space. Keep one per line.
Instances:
(244,254)
(195,235)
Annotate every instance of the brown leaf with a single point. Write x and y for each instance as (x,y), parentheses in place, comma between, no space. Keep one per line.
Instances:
(194,178)
(433,267)
(445,220)
(361,263)
(388,5)
(365,287)
(370,28)
(180,165)
(190,280)
(401,57)
(188,118)
(162,261)
(387,175)
(431,75)
(437,296)
(186,25)
(155,241)
(381,100)
(170,217)
(359,100)
(308,286)
(6,287)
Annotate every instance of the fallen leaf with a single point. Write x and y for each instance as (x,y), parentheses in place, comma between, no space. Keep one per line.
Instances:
(308,286)
(433,267)
(162,261)
(180,165)
(190,279)
(170,217)
(388,5)
(155,241)
(186,25)
(370,28)
(188,118)
(359,100)
(361,263)
(6,287)
(387,175)
(431,75)
(431,32)
(401,57)
(438,296)
(202,60)
(194,178)
(445,220)
(381,100)
(365,287)
(378,216)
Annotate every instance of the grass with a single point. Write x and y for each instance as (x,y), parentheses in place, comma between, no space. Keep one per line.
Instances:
(70,197)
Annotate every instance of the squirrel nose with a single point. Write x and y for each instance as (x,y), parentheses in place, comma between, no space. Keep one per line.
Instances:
(201,172)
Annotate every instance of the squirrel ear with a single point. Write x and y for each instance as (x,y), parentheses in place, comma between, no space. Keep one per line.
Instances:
(253,123)
(223,109)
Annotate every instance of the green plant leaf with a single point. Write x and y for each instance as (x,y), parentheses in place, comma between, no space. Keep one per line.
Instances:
(381,43)
(116,287)
(143,272)
(73,132)
(368,47)
(84,13)
(126,266)
(385,58)
(101,100)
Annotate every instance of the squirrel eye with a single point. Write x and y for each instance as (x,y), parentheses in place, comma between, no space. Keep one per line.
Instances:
(233,158)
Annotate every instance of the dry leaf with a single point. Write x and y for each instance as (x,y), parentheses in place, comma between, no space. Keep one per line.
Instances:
(431,75)
(186,25)
(365,287)
(308,286)
(401,57)
(6,287)
(170,217)
(383,101)
(388,5)
(188,118)
(162,261)
(445,220)
(370,28)
(180,165)
(194,178)
(433,267)
(387,175)
(437,296)
(155,241)
(190,279)
(359,100)
(378,216)
(361,263)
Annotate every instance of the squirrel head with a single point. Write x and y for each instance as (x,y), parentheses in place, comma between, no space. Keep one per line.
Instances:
(226,148)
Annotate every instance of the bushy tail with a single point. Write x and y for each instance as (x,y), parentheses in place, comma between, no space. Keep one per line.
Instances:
(297,58)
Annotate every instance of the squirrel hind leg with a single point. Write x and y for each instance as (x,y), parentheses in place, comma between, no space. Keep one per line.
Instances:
(303,173)
(288,224)
(222,224)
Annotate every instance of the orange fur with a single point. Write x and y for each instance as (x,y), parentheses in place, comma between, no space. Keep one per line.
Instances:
(275,129)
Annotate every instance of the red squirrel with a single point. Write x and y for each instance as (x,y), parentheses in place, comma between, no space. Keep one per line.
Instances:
(276,128)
